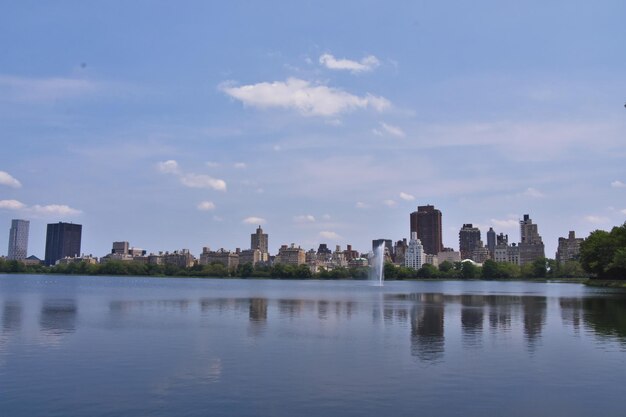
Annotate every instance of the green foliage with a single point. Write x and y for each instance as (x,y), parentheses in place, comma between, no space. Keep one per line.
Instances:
(603,254)
(469,271)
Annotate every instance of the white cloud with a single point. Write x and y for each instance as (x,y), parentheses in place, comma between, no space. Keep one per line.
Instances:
(168,167)
(45,210)
(618,184)
(211,164)
(202,181)
(329,235)
(254,220)
(623,211)
(392,130)
(361,205)
(240,165)
(191,180)
(9,180)
(505,224)
(326,217)
(44,89)
(54,209)
(206,206)
(11,204)
(368,63)
(309,100)
(390,203)
(305,218)
(532,193)
(596,219)
(407,197)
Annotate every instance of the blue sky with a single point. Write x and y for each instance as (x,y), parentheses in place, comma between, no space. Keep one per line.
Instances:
(185,124)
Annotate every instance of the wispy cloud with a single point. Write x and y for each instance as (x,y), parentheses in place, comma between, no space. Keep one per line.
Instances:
(593,219)
(407,197)
(240,165)
(305,218)
(361,205)
(366,64)
(390,203)
(8,180)
(618,184)
(62,210)
(532,193)
(45,89)
(505,223)
(254,220)
(11,205)
(391,130)
(326,234)
(189,179)
(206,206)
(304,97)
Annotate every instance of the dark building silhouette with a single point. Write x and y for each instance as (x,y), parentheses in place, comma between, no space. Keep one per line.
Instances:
(426,222)
(469,239)
(62,239)
(491,242)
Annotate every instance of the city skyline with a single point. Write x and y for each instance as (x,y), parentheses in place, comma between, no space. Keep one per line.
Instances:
(144,124)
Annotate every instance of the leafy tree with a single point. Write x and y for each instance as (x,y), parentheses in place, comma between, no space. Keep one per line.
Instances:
(469,270)
(490,270)
(603,253)
(427,271)
(390,271)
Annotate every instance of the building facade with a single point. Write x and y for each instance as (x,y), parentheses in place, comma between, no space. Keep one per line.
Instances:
(18,240)
(469,239)
(259,240)
(414,255)
(531,246)
(426,222)
(290,255)
(62,241)
(569,248)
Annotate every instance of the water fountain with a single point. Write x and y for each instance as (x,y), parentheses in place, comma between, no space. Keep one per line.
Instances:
(377,262)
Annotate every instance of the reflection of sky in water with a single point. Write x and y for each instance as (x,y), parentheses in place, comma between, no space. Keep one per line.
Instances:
(268,347)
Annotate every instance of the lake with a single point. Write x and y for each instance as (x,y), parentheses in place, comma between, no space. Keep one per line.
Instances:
(127,346)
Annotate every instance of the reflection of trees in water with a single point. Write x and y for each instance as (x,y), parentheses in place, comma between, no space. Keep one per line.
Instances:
(472,315)
(427,324)
(11,316)
(534,318)
(58,317)
(606,316)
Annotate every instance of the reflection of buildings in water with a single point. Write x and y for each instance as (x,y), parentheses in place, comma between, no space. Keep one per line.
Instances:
(571,312)
(58,317)
(290,308)
(534,318)
(258,310)
(500,311)
(126,306)
(322,309)
(427,326)
(223,305)
(472,314)
(11,317)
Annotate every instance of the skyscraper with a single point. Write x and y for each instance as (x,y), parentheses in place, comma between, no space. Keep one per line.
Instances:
(62,239)
(491,241)
(18,240)
(531,246)
(426,222)
(259,240)
(414,257)
(469,240)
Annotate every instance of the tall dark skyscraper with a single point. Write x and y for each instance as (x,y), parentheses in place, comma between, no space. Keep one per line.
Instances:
(62,239)
(18,240)
(491,241)
(426,222)
(469,239)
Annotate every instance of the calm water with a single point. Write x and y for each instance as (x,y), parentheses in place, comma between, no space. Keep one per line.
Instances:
(103,346)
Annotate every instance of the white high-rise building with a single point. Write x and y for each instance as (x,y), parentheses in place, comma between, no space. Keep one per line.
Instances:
(414,255)
(18,240)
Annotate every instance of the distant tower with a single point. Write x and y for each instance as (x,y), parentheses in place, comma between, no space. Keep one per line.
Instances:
(259,240)
(426,222)
(491,241)
(18,240)
(469,239)
(414,256)
(62,239)
(531,246)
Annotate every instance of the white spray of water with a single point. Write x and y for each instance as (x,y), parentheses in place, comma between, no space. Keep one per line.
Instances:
(377,262)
